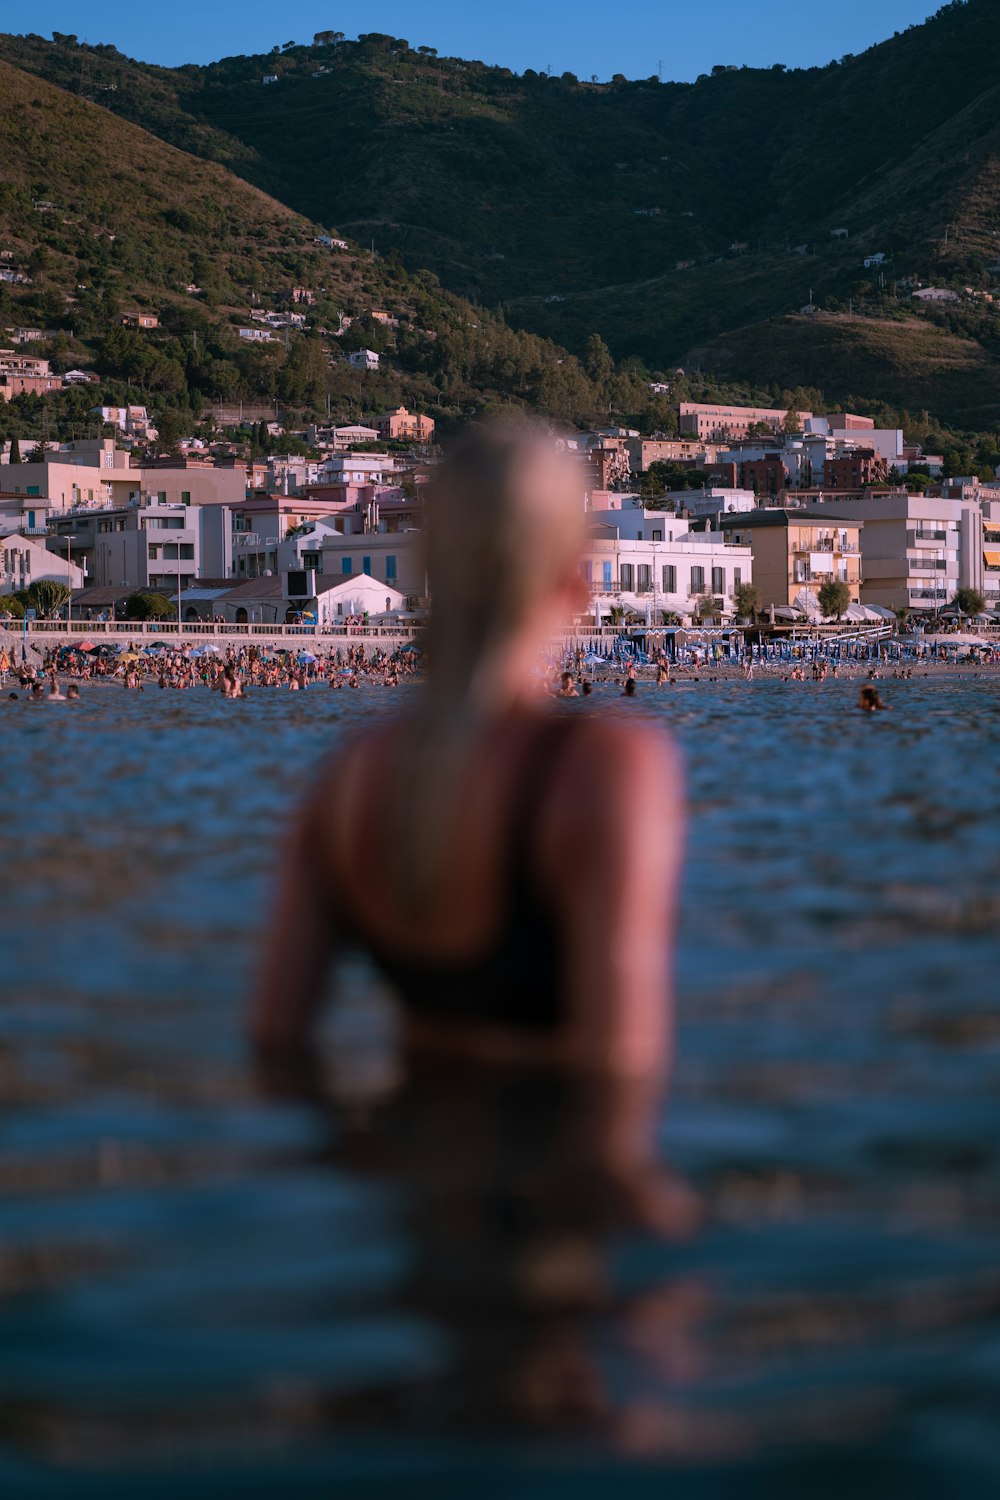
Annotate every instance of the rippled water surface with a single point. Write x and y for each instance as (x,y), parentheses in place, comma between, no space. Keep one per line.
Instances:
(213,1282)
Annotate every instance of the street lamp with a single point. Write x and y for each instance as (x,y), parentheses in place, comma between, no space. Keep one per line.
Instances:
(70,536)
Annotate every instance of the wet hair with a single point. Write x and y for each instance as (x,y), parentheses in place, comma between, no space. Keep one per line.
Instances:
(503,483)
(586,689)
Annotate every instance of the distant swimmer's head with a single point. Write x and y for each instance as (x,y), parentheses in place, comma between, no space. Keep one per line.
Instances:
(870,700)
(505,531)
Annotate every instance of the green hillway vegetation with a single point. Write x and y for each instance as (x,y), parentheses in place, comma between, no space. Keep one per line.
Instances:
(515,219)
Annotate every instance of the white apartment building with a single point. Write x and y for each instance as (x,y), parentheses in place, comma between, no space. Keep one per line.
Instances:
(395,558)
(23,562)
(916,550)
(147,543)
(650,561)
(357,468)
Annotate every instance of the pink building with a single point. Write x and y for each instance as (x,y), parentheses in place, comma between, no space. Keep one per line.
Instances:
(707,421)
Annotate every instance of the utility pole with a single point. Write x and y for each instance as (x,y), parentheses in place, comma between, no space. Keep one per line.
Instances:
(659,70)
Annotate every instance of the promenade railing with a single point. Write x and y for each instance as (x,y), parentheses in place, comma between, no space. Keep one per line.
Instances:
(97,630)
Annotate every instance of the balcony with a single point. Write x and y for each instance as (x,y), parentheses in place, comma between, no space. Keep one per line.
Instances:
(921,535)
(826,544)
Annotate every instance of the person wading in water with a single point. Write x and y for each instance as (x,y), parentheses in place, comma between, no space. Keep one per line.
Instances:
(512,870)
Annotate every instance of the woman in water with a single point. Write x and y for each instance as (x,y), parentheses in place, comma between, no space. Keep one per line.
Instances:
(512,871)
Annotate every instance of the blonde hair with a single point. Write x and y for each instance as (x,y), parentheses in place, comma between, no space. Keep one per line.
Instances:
(505,526)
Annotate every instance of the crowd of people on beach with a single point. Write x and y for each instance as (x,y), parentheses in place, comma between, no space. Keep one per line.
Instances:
(230,673)
(354,666)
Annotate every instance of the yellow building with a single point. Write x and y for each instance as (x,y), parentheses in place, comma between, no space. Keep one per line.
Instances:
(798,549)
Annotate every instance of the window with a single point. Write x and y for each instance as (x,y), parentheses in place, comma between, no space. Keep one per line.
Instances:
(697,580)
(161,495)
(366,565)
(187,551)
(606,575)
(626,577)
(586,570)
(390,568)
(310,560)
(658,535)
(737,577)
(718,580)
(154,551)
(34,489)
(31,520)
(669,578)
(644,578)
(345,566)
(185,497)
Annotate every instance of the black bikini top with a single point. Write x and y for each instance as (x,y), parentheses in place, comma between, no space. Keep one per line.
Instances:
(517,980)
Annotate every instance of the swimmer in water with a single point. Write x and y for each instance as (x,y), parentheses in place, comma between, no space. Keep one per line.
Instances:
(630,689)
(870,700)
(511,872)
(567,687)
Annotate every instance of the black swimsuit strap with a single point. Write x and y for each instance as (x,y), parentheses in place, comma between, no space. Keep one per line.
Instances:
(533,782)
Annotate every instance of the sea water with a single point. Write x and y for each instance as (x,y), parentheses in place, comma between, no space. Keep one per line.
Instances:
(216,1281)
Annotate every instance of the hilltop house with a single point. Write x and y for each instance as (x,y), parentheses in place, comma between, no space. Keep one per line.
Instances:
(402,425)
(363,359)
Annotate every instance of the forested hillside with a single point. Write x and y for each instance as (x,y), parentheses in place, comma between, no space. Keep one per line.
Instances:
(685,224)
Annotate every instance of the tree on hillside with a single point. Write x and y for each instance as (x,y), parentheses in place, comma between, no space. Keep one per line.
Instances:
(970,601)
(170,429)
(834,597)
(598,360)
(15,451)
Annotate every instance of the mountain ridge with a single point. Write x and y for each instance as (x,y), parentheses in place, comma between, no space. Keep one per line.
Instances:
(646,213)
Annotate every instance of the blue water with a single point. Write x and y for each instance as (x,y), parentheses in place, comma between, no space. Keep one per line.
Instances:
(216,1282)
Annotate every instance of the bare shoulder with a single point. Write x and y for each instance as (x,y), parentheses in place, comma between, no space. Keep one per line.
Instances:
(614,751)
(344,775)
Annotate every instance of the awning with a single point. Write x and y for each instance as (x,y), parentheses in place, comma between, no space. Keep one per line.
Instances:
(993,558)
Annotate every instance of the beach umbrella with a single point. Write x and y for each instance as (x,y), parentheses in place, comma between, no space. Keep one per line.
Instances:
(305,657)
(85,646)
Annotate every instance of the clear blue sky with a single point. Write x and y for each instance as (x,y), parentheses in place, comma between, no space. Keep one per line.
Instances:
(584,36)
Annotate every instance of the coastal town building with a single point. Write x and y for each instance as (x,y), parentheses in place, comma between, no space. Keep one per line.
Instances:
(650,562)
(95,472)
(709,421)
(393,558)
(363,359)
(25,375)
(404,426)
(991,554)
(299,594)
(339,439)
(151,543)
(796,551)
(24,562)
(917,550)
